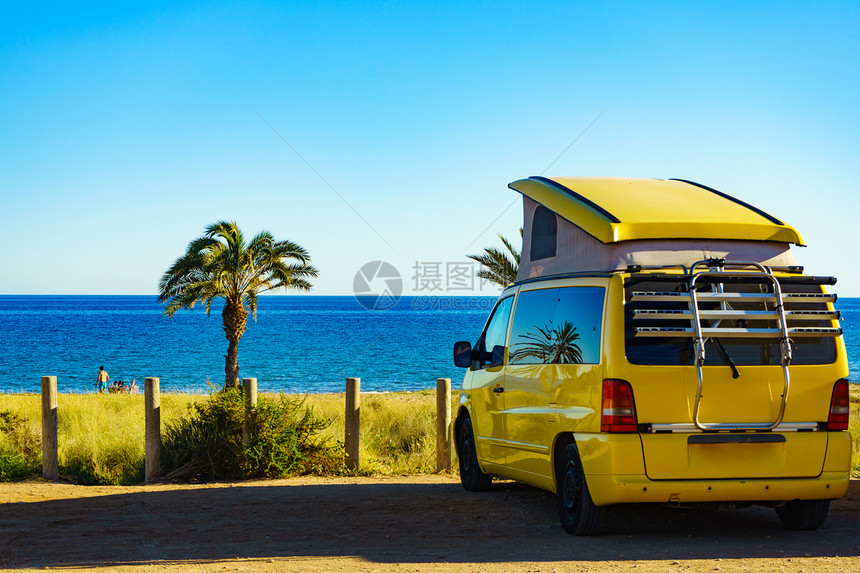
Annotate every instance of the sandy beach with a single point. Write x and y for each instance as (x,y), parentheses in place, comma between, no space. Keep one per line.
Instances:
(405,523)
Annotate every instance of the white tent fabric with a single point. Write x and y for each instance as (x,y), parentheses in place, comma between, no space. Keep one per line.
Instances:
(577,251)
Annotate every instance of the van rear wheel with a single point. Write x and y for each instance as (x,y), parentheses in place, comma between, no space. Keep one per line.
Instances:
(805,514)
(471,476)
(576,509)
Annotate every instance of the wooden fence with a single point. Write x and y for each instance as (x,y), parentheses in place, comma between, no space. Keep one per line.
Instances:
(152,406)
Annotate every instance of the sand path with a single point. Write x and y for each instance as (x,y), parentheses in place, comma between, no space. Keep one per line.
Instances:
(409,523)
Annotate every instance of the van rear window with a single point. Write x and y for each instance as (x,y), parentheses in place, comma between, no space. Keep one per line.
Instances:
(679,350)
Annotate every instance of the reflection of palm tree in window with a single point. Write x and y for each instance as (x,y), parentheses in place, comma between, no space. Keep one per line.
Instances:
(550,345)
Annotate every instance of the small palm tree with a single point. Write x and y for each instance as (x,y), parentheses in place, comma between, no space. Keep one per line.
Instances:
(499,267)
(221,265)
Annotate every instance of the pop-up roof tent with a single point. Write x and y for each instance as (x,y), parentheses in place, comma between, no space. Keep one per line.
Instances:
(573,224)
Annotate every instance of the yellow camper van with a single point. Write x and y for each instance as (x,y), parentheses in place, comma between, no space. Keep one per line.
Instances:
(659,345)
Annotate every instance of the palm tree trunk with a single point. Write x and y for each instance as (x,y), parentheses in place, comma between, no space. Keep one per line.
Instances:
(234,317)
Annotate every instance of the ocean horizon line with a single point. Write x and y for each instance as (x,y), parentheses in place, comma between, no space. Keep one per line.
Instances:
(298,295)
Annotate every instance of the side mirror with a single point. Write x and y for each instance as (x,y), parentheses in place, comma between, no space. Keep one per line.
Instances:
(498,355)
(463,354)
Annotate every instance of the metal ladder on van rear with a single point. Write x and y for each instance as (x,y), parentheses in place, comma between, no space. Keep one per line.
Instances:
(783,332)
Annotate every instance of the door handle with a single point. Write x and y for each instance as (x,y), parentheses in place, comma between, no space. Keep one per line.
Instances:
(498,389)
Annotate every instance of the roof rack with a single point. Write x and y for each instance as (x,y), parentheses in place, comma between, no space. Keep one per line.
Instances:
(789,323)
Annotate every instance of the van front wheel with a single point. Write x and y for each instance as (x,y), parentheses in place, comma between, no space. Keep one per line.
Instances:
(471,476)
(806,514)
(576,509)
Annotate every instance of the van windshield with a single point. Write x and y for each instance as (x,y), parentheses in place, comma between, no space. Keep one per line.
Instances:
(743,351)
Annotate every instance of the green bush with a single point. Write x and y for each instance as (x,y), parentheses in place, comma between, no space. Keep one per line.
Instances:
(20,448)
(284,439)
(15,467)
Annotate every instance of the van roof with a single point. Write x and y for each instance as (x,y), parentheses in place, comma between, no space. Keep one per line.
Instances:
(614,209)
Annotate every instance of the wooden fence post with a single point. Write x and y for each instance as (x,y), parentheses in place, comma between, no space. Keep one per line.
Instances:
(443,424)
(249,386)
(50,458)
(352,422)
(152,449)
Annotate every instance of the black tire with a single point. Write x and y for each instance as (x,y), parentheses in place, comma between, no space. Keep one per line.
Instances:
(805,515)
(576,509)
(471,476)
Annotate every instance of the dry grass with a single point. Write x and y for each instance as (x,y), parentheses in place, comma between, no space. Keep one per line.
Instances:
(101,436)
(398,429)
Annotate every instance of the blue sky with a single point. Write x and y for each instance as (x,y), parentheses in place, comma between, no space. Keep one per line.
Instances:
(126,128)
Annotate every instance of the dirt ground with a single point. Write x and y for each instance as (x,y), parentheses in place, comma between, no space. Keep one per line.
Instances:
(410,523)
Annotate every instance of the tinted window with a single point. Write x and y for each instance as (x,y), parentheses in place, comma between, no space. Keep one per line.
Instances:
(557,326)
(544,231)
(742,351)
(497,329)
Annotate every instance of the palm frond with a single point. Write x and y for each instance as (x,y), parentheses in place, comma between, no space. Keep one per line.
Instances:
(221,265)
(549,345)
(497,266)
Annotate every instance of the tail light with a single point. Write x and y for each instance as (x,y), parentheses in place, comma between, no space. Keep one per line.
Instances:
(619,410)
(838,419)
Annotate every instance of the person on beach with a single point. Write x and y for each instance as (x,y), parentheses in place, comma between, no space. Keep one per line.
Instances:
(102,379)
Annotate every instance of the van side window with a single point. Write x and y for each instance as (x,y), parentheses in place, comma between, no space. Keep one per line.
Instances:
(557,326)
(496,331)
(544,234)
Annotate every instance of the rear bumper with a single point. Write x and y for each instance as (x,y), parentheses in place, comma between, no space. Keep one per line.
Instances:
(615,472)
(609,489)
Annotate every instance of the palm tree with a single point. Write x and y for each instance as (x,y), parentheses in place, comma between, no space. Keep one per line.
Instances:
(221,265)
(550,345)
(497,266)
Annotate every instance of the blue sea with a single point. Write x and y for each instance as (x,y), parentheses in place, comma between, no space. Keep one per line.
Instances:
(298,344)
